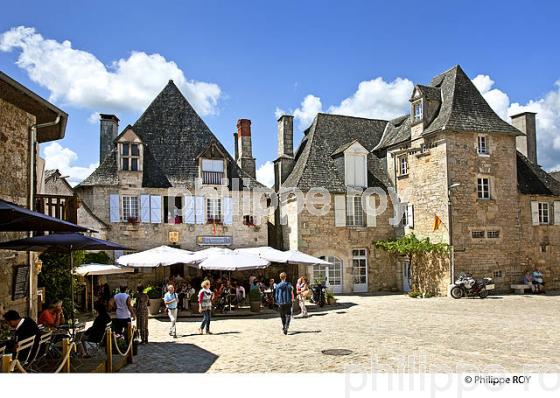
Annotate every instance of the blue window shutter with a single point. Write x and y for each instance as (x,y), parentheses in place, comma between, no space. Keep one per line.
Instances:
(188,210)
(228,211)
(155,209)
(114,208)
(200,210)
(145,208)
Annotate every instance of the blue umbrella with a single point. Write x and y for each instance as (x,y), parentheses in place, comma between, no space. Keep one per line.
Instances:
(61,243)
(17,218)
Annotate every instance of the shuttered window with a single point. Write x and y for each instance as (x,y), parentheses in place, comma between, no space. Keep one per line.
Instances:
(355,170)
(354,211)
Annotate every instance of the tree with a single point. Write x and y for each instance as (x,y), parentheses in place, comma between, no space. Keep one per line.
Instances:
(416,249)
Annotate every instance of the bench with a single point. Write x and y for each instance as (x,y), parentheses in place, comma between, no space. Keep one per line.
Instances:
(520,288)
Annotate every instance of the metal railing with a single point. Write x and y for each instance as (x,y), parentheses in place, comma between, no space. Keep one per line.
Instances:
(212,177)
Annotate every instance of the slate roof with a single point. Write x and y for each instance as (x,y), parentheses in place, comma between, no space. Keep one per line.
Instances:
(462,109)
(173,135)
(314,162)
(397,131)
(533,180)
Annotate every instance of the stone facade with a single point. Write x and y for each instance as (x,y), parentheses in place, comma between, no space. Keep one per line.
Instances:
(14,169)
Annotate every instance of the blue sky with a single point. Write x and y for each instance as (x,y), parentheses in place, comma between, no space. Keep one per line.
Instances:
(250,59)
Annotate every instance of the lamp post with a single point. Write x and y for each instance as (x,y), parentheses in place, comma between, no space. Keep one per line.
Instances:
(450,229)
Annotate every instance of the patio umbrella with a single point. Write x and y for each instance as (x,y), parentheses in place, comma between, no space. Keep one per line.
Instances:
(232,262)
(202,255)
(278,256)
(156,257)
(61,243)
(17,218)
(92,270)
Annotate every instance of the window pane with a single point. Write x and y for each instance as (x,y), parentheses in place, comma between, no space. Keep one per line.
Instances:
(125,163)
(135,150)
(124,147)
(134,164)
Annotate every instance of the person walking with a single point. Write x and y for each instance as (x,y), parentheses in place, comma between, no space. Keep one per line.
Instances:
(171,300)
(205,305)
(284,297)
(302,288)
(123,308)
(142,304)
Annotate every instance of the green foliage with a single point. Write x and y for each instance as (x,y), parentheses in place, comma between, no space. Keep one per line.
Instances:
(425,258)
(57,278)
(409,245)
(97,258)
(153,292)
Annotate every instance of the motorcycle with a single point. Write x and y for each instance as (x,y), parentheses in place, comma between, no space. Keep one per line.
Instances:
(467,286)
(319,295)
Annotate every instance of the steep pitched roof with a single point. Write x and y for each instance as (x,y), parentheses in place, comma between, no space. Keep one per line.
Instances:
(314,163)
(173,135)
(532,180)
(462,109)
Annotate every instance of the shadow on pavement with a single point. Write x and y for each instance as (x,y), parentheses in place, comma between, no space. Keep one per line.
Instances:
(303,332)
(187,358)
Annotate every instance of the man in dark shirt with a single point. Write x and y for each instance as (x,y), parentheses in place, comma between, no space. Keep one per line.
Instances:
(284,296)
(24,328)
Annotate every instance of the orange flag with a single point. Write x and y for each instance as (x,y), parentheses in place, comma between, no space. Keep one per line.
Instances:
(437,222)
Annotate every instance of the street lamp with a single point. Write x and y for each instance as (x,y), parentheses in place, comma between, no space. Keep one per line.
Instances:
(450,228)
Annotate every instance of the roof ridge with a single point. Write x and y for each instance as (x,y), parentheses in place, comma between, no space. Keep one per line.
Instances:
(350,116)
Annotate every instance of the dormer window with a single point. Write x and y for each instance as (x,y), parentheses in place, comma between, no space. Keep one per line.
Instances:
(130,156)
(212,171)
(417,111)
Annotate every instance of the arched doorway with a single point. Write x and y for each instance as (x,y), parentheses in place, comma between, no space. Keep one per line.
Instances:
(333,273)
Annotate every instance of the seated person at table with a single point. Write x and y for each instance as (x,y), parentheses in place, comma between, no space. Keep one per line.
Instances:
(239,294)
(53,316)
(95,333)
(24,328)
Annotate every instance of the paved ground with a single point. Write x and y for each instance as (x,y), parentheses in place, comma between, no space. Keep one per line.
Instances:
(394,333)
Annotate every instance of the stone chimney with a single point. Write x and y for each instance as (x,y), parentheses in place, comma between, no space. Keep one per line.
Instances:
(109,130)
(244,148)
(285,163)
(527,143)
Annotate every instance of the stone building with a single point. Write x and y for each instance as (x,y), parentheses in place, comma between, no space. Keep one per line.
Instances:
(168,180)
(26,121)
(463,176)
(335,155)
(470,179)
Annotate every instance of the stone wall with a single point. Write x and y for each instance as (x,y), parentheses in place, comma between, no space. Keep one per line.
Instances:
(318,236)
(14,124)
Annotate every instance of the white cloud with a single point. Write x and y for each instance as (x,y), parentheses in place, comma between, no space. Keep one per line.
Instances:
(497,99)
(79,78)
(376,99)
(265,174)
(63,159)
(279,112)
(310,106)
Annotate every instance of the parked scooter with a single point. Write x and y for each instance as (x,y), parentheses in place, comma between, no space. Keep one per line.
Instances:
(319,295)
(467,286)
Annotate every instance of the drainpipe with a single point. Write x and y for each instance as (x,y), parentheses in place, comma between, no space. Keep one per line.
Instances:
(32,139)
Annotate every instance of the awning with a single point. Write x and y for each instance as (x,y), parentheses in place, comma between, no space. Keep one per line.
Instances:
(16,218)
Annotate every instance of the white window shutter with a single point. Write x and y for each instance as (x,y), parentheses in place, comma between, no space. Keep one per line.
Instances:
(228,211)
(535,212)
(340,210)
(155,209)
(145,208)
(360,170)
(371,217)
(410,215)
(114,208)
(188,210)
(557,212)
(350,170)
(200,210)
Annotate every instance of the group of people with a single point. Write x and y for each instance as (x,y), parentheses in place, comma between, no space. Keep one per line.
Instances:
(534,280)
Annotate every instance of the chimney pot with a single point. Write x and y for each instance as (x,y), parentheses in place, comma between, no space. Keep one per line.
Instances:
(109,130)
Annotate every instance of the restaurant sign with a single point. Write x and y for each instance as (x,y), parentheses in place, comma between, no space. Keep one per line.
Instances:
(210,240)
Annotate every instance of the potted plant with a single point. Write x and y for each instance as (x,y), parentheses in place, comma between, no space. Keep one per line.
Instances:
(154,294)
(255,299)
(331,300)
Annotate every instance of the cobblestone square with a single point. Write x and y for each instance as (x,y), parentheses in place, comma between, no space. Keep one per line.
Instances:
(391,333)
